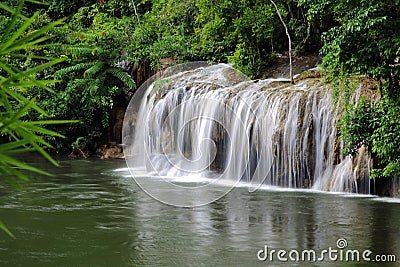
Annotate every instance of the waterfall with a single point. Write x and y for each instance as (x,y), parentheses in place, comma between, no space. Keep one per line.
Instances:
(213,122)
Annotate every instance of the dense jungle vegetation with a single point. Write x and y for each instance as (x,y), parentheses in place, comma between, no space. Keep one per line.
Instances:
(73,60)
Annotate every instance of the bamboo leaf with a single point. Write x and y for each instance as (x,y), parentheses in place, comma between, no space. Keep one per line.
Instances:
(44,131)
(13,145)
(45,154)
(37,2)
(21,112)
(22,99)
(14,162)
(37,69)
(16,55)
(7,176)
(28,134)
(12,11)
(13,172)
(52,122)
(12,23)
(5,229)
(38,33)
(8,69)
(26,46)
(24,136)
(19,32)
(18,151)
(39,83)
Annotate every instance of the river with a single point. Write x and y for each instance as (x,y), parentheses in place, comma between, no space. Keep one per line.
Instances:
(91,213)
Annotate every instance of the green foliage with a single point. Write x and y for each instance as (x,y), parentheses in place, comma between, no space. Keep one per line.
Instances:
(64,8)
(363,38)
(166,31)
(19,135)
(358,124)
(93,44)
(365,41)
(244,33)
(386,141)
(378,127)
(79,145)
(215,27)
(241,32)
(254,31)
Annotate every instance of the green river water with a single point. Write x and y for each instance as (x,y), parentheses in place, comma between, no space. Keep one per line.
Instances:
(89,214)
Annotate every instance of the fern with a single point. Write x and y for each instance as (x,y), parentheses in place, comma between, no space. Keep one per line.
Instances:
(93,87)
(74,68)
(88,35)
(77,84)
(93,70)
(76,51)
(101,80)
(122,76)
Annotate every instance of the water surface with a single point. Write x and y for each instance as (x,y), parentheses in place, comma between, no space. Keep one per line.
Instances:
(88,214)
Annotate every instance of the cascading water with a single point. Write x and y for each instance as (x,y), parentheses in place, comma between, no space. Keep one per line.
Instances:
(213,122)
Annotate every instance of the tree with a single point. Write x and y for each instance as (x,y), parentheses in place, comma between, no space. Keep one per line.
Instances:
(289,41)
(93,43)
(365,40)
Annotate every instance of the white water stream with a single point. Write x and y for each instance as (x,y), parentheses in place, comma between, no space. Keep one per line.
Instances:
(213,122)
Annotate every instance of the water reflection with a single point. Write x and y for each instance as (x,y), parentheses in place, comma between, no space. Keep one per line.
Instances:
(88,215)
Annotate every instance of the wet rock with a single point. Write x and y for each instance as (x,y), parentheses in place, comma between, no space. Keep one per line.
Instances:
(113,152)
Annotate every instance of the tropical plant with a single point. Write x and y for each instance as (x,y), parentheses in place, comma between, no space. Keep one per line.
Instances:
(19,135)
(93,44)
(364,39)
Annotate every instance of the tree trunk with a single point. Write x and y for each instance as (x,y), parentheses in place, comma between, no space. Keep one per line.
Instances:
(290,42)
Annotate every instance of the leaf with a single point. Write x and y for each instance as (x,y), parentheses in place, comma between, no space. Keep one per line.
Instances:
(9,178)
(74,68)
(78,50)
(45,154)
(18,114)
(36,34)
(15,172)
(13,145)
(24,136)
(14,162)
(93,70)
(5,229)
(18,33)
(37,2)
(123,76)
(12,11)
(52,122)
(26,76)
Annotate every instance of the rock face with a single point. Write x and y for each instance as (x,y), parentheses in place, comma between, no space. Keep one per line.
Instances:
(113,152)
(362,163)
(213,120)
(386,187)
(301,63)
